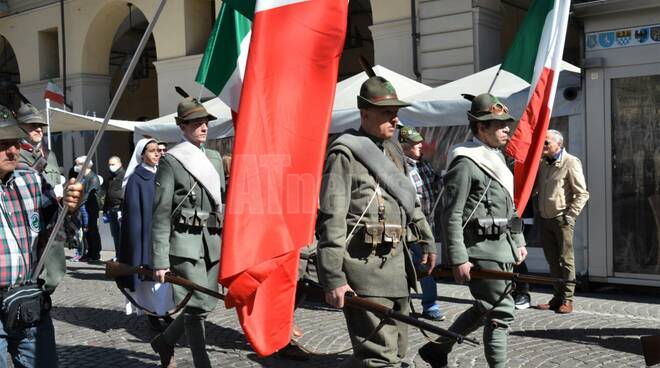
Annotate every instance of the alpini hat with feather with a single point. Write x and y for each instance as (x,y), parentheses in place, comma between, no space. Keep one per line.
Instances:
(9,128)
(486,107)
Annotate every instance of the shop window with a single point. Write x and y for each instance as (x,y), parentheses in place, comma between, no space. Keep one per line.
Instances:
(49,54)
(636,174)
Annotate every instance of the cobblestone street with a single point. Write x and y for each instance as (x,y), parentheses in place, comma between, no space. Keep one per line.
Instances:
(93,331)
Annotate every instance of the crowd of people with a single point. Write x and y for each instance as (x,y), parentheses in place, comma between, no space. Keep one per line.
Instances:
(382,210)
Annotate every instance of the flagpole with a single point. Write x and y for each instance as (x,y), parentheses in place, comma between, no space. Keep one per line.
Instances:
(494,79)
(48,121)
(99,134)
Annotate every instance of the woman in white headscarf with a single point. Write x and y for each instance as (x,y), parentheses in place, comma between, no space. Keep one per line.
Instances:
(135,249)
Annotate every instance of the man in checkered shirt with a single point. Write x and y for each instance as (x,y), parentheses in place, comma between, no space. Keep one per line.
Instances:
(29,211)
(427,184)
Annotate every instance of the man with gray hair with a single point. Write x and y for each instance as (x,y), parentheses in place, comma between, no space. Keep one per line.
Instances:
(34,153)
(562,194)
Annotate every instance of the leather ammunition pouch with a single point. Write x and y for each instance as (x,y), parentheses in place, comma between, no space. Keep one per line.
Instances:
(191,217)
(382,233)
(495,226)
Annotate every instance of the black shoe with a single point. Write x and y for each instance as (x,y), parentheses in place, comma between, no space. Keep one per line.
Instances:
(165,352)
(294,351)
(434,354)
(88,258)
(522,301)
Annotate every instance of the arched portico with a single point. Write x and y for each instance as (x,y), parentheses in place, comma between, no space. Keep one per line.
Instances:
(10,75)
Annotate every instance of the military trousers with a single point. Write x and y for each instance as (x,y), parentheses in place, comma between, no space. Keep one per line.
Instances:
(557,241)
(493,308)
(191,321)
(384,348)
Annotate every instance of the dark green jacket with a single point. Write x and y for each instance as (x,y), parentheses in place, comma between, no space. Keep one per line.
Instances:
(345,193)
(173,182)
(51,172)
(465,183)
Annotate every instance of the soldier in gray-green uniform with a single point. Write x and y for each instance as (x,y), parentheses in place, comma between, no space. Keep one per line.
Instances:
(33,151)
(481,229)
(186,231)
(368,212)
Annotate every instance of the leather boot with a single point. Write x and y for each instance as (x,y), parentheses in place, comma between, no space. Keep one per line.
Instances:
(565,307)
(553,304)
(435,354)
(164,350)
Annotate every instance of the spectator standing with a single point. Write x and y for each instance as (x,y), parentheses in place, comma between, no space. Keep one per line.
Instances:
(90,211)
(113,199)
(135,250)
(562,195)
(162,148)
(427,184)
(29,209)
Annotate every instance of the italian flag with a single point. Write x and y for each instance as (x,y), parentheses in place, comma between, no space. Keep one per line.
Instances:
(54,93)
(223,66)
(535,56)
(279,149)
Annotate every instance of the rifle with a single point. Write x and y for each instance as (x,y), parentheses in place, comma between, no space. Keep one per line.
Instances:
(353,301)
(116,269)
(482,273)
(651,349)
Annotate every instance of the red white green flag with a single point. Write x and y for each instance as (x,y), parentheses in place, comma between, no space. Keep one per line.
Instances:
(54,93)
(222,68)
(279,148)
(535,56)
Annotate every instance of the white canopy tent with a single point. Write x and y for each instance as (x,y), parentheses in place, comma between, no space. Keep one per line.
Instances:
(444,105)
(64,121)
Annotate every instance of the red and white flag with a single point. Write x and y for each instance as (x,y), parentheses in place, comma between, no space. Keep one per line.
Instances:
(535,56)
(54,93)
(279,149)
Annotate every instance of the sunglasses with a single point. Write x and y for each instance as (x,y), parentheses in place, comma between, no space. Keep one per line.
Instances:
(498,109)
(162,150)
(495,109)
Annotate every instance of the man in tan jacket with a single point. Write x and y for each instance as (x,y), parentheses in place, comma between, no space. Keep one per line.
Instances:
(562,195)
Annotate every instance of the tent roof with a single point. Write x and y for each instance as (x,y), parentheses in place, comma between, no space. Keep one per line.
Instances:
(444,105)
(64,121)
(477,83)
(348,89)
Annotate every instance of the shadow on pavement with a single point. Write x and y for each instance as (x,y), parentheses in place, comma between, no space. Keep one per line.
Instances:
(104,320)
(98,276)
(320,360)
(620,339)
(76,356)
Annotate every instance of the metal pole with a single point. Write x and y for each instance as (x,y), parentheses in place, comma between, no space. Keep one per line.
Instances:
(48,122)
(99,134)
(494,79)
(63,52)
